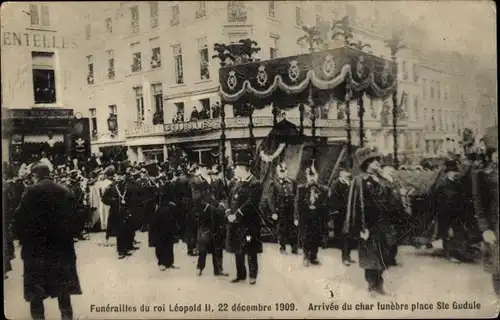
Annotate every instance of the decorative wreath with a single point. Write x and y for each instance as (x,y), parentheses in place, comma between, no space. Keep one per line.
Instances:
(269,158)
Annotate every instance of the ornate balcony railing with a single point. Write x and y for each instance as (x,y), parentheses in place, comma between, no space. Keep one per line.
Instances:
(234,123)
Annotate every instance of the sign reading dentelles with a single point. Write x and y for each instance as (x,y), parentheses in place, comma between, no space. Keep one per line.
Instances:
(37,40)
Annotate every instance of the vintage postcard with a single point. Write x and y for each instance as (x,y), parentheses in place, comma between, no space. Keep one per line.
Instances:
(249,159)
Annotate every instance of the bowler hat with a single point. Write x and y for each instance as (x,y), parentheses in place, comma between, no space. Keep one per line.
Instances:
(366,154)
(451,165)
(243,158)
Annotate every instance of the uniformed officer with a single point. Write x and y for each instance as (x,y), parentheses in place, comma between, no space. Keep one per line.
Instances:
(244,229)
(281,203)
(184,199)
(368,218)
(338,205)
(311,211)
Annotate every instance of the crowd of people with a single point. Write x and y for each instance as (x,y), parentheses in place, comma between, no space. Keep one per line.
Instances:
(213,212)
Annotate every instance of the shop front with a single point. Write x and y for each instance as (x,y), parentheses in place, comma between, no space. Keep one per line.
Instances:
(56,132)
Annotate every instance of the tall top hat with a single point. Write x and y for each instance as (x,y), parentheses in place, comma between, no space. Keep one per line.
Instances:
(365,154)
(207,160)
(243,157)
(451,164)
(310,166)
(151,168)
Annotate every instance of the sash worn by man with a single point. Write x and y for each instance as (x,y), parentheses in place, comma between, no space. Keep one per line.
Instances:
(338,205)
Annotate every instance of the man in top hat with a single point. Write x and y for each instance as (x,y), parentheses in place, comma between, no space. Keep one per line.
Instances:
(79,202)
(244,230)
(11,200)
(150,191)
(311,211)
(452,199)
(42,222)
(123,197)
(209,205)
(188,222)
(338,204)
(281,203)
(367,217)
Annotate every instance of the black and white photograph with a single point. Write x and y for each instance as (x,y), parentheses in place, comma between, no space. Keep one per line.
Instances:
(249,159)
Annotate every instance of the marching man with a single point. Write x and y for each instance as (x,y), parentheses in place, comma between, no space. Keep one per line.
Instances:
(311,210)
(243,238)
(281,202)
(208,203)
(369,218)
(338,204)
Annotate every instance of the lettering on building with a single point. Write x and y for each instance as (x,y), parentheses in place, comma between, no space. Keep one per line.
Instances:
(37,40)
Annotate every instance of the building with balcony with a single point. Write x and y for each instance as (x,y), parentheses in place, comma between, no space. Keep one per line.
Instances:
(40,90)
(152,82)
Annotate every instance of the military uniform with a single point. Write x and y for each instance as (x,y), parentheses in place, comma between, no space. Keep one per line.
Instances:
(338,205)
(79,210)
(311,211)
(281,203)
(244,233)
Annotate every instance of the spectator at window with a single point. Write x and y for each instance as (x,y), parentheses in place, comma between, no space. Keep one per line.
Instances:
(195,115)
(216,111)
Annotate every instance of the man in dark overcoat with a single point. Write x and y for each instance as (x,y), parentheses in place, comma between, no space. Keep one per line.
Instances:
(184,204)
(452,201)
(123,197)
(10,202)
(163,226)
(485,195)
(79,206)
(311,212)
(209,202)
(43,220)
(281,203)
(368,218)
(338,206)
(245,221)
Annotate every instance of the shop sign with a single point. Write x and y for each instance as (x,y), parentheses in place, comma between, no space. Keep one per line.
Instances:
(40,113)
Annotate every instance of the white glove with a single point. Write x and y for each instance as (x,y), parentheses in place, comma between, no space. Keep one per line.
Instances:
(274,216)
(228,212)
(489,237)
(296,223)
(365,234)
(231,218)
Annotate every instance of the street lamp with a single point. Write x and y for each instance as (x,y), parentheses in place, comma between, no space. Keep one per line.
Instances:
(395,44)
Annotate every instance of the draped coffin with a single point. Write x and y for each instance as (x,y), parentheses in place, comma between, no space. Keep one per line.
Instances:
(319,76)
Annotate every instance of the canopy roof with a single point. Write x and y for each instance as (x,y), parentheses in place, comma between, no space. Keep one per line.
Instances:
(319,76)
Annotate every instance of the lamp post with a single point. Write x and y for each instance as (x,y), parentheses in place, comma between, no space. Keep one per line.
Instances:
(348,116)
(395,44)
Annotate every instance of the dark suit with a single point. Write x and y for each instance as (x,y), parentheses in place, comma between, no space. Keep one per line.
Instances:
(210,212)
(311,210)
(243,236)
(189,223)
(43,220)
(281,202)
(121,214)
(163,225)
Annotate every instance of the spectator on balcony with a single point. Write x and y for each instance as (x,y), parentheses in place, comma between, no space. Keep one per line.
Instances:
(216,111)
(195,115)
(204,114)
